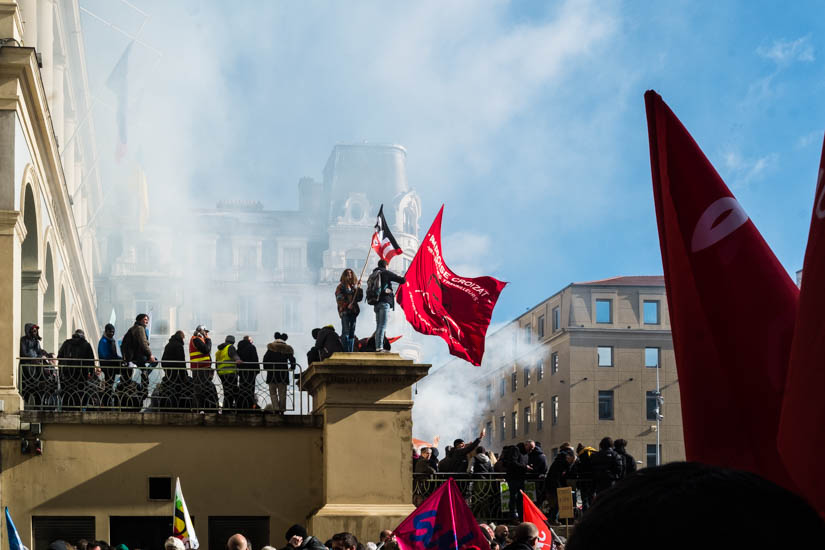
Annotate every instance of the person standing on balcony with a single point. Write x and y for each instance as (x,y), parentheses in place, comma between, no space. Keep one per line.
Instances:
(110,361)
(347,296)
(77,365)
(200,348)
(249,374)
(227,362)
(135,348)
(385,298)
(279,359)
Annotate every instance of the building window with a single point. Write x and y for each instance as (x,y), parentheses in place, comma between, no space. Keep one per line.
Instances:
(248,256)
(526,420)
(528,334)
(651,312)
(651,455)
(540,326)
(554,403)
(489,392)
(269,254)
(409,221)
(489,433)
(650,405)
(247,318)
(604,311)
(502,387)
(652,356)
(540,369)
(514,381)
(526,376)
(502,428)
(554,362)
(606,405)
(514,421)
(292,313)
(605,356)
(556,319)
(539,415)
(293,258)
(46,529)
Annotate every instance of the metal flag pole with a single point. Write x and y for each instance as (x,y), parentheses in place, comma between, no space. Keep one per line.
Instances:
(366,261)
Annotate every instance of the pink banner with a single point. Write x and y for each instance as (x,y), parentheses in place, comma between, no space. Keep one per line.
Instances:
(442,522)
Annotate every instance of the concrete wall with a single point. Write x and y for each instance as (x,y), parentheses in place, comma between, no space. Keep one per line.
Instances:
(102,471)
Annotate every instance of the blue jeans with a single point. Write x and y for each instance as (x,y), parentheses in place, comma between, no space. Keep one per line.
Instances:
(348,330)
(382,311)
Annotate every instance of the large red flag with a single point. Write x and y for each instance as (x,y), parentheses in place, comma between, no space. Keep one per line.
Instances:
(437,301)
(443,521)
(732,306)
(801,434)
(537,518)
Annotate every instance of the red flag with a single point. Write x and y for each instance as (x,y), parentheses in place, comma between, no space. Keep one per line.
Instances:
(732,306)
(800,431)
(437,301)
(537,518)
(443,521)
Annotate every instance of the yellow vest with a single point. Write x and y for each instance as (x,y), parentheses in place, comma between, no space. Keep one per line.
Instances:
(224,363)
(196,356)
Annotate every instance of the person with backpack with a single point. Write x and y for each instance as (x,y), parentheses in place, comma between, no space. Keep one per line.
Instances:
(347,295)
(380,295)
(628,462)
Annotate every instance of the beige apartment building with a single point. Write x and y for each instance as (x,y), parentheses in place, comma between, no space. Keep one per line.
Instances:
(586,363)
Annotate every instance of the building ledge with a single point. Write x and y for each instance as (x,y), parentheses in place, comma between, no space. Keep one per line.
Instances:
(173,419)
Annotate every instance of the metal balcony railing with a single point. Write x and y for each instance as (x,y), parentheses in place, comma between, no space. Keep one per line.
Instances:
(166,386)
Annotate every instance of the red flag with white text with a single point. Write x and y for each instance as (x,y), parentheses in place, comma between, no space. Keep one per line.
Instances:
(437,301)
(803,411)
(537,518)
(442,521)
(732,306)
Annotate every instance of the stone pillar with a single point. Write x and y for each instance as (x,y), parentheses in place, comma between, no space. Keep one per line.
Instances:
(33,287)
(12,233)
(29,13)
(366,403)
(51,324)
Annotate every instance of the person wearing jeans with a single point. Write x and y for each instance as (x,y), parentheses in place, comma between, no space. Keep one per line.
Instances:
(386,300)
(347,296)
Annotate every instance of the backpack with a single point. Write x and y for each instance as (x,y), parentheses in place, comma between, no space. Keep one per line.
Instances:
(374,287)
(126,346)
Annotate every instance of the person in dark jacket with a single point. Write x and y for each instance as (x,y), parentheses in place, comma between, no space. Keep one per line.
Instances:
(313,355)
(434,458)
(557,477)
(135,348)
(77,365)
(481,462)
(279,359)
(386,298)
(457,460)
(178,387)
(298,539)
(328,342)
(422,463)
(538,463)
(37,384)
(628,462)
(607,466)
(583,473)
(525,537)
(347,295)
(248,375)
(368,344)
(516,469)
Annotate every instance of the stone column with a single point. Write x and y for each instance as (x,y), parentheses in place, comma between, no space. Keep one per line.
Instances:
(12,233)
(51,324)
(366,403)
(33,287)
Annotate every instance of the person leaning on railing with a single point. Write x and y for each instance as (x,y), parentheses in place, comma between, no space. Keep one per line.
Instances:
(77,364)
(251,367)
(227,362)
(178,386)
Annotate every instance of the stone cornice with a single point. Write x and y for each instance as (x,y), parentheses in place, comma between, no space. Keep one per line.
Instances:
(356,368)
(174,419)
(10,9)
(11,222)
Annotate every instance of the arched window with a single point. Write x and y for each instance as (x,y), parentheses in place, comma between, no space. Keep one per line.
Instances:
(409,220)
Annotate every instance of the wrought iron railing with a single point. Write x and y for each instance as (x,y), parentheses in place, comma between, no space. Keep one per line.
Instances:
(166,386)
(487,494)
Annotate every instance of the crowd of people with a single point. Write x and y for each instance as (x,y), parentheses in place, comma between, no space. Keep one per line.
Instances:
(587,470)
(119,377)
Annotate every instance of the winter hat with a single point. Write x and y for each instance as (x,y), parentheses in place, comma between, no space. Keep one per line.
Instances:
(173,543)
(230,339)
(315,332)
(296,530)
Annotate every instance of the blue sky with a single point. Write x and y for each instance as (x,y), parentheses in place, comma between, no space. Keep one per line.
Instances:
(525,118)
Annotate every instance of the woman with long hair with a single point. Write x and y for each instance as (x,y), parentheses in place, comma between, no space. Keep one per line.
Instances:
(347,294)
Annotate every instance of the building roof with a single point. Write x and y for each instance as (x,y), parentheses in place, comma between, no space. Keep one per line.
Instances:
(635,280)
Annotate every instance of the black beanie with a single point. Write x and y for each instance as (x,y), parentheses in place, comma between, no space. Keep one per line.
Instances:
(296,530)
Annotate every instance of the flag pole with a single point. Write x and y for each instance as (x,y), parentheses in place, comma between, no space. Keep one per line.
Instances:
(366,261)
